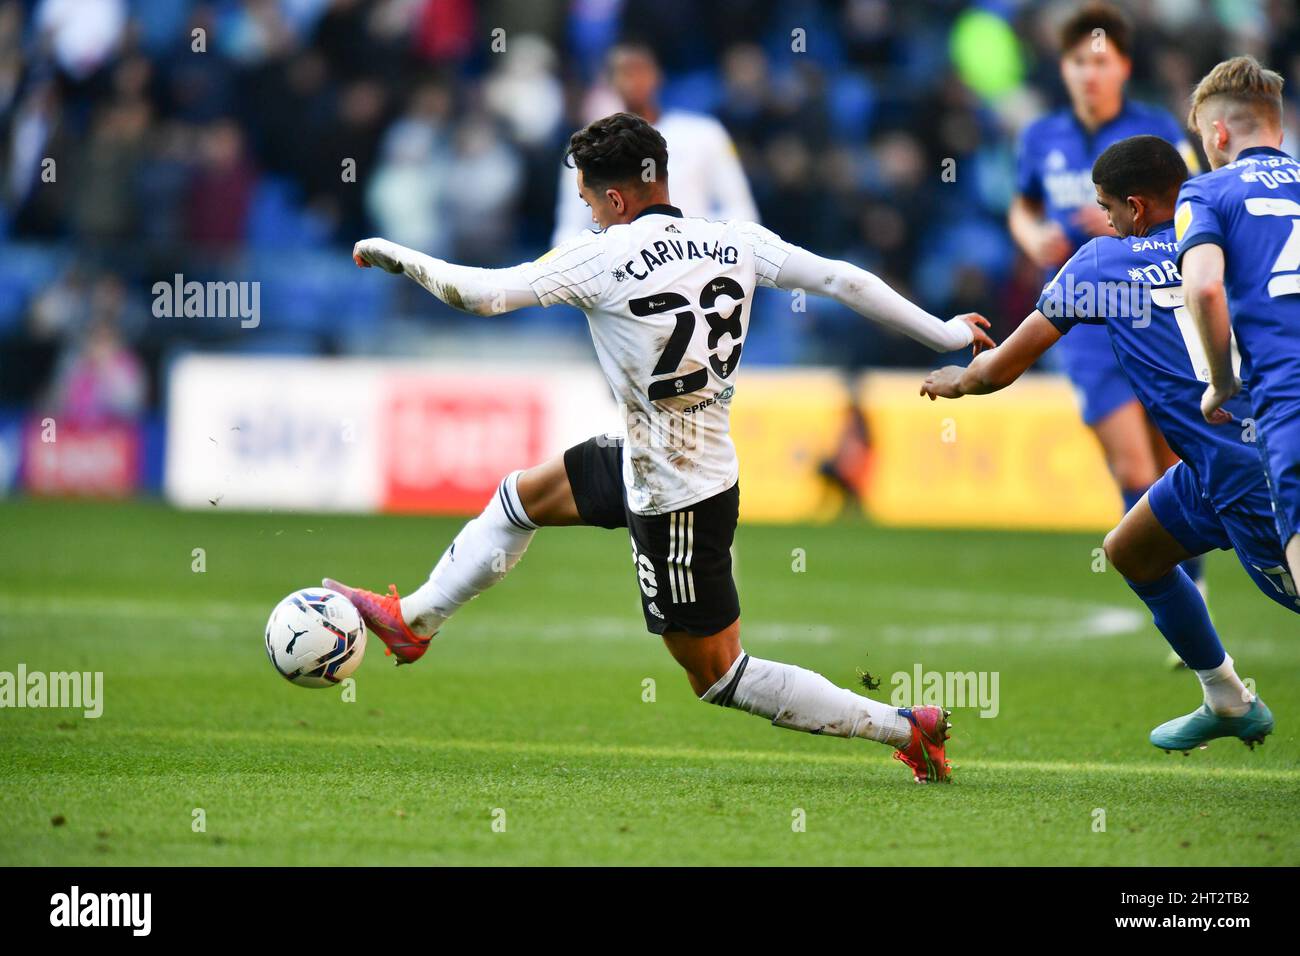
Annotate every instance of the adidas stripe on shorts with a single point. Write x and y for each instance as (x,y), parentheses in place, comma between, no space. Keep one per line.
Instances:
(681,559)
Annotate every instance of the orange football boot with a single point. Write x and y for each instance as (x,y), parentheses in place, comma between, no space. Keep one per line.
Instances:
(383,615)
(925,753)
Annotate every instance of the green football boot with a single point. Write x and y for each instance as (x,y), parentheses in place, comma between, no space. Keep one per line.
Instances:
(1202,725)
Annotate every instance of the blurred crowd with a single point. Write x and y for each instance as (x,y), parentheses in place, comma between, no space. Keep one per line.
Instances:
(258,139)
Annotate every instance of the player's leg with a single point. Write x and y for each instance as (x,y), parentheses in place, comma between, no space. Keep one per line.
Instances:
(1166,458)
(1249,526)
(545,496)
(1147,547)
(1142,549)
(1125,437)
(1170,523)
(705,659)
(1135,451)
(490,545)
(720,672)
(484,551)
(683,565)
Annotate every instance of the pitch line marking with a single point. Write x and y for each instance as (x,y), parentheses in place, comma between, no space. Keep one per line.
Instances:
(1071,620)
(561,749)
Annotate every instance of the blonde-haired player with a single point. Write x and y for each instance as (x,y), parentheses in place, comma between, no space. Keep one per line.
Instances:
(1238,231)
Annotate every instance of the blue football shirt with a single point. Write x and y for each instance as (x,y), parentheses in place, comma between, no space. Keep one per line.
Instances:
(1132,286)
(1056,153)
(1054,167)
(1251,209)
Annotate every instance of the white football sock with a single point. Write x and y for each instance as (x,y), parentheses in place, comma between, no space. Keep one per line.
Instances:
(484,551)
(1225,694)
(801,699)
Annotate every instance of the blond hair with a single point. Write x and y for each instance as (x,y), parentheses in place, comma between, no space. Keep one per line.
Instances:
(1254,90)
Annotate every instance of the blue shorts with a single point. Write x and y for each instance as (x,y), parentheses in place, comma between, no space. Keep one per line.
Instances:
(1279,447)
(1246,527)
(1099,383)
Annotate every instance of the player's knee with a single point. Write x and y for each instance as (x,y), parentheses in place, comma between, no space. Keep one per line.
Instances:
(1118,553)
(546,495)
(706,660)
(702,673)
(1130,560)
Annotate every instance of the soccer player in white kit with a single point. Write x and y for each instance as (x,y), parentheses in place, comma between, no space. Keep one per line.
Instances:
(668,301)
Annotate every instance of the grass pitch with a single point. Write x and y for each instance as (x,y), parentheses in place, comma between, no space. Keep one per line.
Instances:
(530,710)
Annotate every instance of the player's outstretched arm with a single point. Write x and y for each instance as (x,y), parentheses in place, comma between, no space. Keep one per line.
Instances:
(1207,301)
(477,291)
(870,296)
(996,368)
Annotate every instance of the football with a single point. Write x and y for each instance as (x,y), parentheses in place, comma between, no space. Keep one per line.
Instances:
(315,638)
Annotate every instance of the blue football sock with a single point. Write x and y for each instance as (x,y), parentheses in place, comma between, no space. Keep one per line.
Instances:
(1194,568)
(1180,615)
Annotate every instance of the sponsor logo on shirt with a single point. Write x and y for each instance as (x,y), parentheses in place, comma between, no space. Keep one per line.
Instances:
(721,398)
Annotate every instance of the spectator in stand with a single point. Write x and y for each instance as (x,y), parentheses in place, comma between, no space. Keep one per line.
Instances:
(99,379)
(222,187)
(170,159)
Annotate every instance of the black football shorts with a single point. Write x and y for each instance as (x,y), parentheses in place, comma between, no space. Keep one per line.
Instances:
(682,558)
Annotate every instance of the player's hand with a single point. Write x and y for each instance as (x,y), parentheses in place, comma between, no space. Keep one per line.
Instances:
(375,252)
(1212,402)
(1049,247)
(980,338)
(1092,220)
(944,383)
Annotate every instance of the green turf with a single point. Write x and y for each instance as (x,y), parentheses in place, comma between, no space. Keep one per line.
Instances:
(531,703)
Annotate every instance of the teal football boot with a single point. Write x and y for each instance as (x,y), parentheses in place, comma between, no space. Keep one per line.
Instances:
(1202,725)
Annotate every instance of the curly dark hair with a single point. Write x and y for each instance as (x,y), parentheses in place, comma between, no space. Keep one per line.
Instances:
(612,151)
(1098,16)
(1140,166)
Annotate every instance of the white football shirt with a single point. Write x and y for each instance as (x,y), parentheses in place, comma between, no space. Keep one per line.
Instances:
(668,300)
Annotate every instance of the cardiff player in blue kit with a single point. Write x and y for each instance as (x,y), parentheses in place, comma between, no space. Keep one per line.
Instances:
(1238,234)
(1216,497)
(1055,213)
